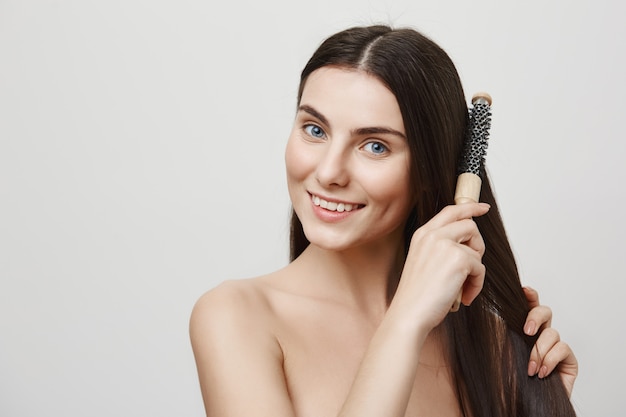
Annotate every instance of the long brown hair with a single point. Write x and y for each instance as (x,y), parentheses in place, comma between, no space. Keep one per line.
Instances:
(488,349)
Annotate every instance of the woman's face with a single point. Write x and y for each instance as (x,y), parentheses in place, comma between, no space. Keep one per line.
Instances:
(347,161)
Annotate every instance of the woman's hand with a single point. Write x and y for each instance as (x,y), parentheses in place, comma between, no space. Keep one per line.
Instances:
(445,257)
(549,352)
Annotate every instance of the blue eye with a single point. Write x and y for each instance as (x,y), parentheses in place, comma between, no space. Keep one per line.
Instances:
(315,131)
(376,148)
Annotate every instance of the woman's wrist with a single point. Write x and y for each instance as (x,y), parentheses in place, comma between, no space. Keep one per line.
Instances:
(406,325)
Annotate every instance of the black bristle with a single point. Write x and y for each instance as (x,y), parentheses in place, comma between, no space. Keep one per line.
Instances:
(476,141)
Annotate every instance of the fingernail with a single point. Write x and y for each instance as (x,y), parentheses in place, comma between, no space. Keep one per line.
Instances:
(530,327)
(543,372)
(532,368)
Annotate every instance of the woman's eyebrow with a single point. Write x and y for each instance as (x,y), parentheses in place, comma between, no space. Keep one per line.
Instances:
(308,109)
(360,131)
(379,131)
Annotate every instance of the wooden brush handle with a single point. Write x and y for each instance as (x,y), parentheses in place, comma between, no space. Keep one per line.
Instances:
(467,191)
(467,188)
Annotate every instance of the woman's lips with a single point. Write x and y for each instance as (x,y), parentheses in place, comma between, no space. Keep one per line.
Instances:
(337,206)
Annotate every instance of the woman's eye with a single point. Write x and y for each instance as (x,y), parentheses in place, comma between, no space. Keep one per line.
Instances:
(315,131)
(376,148)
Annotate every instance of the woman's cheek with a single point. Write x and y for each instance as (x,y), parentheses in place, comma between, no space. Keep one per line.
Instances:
(299,161)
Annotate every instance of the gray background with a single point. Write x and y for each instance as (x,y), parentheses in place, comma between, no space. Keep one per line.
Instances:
(141,163)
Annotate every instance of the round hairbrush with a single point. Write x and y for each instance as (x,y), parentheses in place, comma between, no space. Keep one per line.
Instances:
(473,159)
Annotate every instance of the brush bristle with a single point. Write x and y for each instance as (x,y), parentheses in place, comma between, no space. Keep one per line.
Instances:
(477,135)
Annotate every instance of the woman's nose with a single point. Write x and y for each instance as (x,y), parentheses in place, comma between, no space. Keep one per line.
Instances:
(332,169)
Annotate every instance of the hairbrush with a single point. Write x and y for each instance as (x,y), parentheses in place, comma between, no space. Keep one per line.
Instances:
(473,159)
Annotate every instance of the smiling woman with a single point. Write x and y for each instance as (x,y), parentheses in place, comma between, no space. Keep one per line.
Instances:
(359,323)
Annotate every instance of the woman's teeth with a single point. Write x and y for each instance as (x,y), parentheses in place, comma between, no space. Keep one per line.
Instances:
(331,205)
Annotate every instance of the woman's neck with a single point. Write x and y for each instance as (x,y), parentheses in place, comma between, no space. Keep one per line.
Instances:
(362,277)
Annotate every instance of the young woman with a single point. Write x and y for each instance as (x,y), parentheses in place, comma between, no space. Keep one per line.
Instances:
(359,323)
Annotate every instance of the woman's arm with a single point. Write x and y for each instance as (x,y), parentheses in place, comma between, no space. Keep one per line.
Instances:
(239,360)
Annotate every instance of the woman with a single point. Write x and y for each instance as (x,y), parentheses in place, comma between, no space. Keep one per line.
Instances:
(359,323)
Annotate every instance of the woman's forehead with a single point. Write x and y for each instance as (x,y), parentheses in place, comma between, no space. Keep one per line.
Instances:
(352,95)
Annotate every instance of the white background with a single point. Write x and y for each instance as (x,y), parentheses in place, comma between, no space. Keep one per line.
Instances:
(141,163)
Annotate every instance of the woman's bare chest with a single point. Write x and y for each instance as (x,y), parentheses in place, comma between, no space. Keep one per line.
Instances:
(322,356)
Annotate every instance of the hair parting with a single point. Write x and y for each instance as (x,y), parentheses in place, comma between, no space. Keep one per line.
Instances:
(362,65)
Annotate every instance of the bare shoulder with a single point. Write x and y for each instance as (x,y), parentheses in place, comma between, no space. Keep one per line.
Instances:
(231,300)
(238,356)
(236,311)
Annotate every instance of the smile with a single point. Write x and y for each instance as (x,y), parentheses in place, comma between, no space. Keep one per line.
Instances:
(333,205)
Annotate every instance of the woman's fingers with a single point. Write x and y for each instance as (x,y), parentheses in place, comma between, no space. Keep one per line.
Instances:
(546,341)
(550,353)
(539,316)
(454,227)
(532,296)
(465,232)
(473,285)
(453,213)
